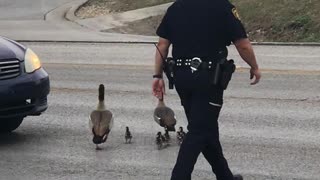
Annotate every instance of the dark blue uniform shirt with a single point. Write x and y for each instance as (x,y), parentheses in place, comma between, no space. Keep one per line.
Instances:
(200,28)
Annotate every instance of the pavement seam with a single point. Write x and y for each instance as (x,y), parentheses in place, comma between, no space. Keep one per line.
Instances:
(247,98)
(153,42)
(149,67)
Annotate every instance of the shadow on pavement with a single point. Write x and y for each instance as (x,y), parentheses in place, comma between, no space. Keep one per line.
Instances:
(12,138)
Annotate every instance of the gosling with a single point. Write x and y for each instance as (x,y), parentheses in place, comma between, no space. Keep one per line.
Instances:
(180,135)
(128,136)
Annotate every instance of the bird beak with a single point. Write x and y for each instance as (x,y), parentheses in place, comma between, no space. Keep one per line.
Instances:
(105,137)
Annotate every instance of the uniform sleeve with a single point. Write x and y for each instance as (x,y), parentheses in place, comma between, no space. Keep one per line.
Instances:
(163,29)
(234,28)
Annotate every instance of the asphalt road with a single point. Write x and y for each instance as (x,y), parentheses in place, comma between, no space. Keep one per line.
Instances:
(268,131)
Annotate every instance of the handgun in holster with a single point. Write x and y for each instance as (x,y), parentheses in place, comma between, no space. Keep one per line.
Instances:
(168,68)
(222,73)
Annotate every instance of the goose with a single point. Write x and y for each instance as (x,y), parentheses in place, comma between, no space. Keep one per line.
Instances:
(101,120)
(164,116)
(180,135)
(128,135)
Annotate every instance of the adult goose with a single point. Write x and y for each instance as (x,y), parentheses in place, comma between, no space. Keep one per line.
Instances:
(101,120)
(164,116)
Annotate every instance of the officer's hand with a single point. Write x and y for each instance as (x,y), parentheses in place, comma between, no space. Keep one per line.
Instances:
(158,88)
(255,73)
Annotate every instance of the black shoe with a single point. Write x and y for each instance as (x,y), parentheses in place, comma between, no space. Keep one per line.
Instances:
(237,177)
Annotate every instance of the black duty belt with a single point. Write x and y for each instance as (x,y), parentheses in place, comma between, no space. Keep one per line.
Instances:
(196,63)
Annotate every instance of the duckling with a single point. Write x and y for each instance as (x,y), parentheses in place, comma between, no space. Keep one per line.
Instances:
(101,121)
(164,116)
(180,135)
(128,135)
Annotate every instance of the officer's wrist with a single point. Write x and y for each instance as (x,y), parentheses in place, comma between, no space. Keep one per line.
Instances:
(255,68)
(157,76)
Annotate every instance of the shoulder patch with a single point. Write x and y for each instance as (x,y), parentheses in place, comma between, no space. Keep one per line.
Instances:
(236,14)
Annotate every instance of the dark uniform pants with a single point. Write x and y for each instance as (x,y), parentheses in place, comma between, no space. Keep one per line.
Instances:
(201,104)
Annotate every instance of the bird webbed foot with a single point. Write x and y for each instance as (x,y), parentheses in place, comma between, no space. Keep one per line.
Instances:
(98,148)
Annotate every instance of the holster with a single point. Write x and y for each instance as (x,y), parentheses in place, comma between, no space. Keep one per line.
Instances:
(169,69)
(222,73)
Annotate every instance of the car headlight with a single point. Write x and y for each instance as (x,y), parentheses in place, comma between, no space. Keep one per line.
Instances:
(31,61)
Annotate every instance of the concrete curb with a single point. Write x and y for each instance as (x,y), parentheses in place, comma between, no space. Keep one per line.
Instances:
(58,15)
(70,14)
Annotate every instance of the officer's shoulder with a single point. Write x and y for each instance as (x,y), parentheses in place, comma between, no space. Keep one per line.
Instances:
(174,5)
(226,5)
(172,9)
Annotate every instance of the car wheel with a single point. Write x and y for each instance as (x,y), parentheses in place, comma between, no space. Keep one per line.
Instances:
(10,124)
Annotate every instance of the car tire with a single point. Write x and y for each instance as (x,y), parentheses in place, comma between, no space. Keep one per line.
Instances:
(10,124)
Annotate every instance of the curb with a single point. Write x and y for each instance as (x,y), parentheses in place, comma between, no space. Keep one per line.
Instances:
(70,14)
(58,14)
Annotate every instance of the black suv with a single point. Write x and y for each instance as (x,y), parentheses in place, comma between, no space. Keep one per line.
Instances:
(24,84)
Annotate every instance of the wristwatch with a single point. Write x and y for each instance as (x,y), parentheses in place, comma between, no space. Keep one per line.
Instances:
(159,76)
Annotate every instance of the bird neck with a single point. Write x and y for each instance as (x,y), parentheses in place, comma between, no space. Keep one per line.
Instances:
(161,103)
(101,106)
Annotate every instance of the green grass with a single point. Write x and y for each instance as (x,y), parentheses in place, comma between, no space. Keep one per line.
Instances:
(281,20)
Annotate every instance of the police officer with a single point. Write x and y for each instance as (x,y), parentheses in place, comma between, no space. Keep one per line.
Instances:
(199,30)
